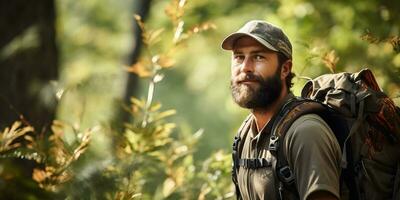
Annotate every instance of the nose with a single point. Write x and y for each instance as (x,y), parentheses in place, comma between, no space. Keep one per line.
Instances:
(247,65)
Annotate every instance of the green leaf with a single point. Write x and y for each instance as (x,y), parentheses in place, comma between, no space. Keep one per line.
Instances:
(155,107)
(138,102)
(164,114)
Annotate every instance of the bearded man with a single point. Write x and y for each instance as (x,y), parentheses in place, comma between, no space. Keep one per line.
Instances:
(261,74)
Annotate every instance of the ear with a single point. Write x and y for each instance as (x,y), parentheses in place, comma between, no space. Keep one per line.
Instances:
(286,69)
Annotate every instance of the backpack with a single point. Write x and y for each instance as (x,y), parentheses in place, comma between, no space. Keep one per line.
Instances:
(366,124)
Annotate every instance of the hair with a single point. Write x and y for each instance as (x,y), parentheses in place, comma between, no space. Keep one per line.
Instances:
(281,60)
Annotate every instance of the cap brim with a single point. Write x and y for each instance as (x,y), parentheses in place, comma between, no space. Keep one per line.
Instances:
(229,41)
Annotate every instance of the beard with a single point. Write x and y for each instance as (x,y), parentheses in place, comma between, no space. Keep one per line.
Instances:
(257,97)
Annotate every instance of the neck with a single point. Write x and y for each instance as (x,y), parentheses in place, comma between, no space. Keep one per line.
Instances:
(264,115)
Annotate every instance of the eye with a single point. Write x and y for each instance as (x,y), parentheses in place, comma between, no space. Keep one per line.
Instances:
(238,57)
(258,57)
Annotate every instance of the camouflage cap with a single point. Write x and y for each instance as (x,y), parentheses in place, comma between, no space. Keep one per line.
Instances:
(267,34)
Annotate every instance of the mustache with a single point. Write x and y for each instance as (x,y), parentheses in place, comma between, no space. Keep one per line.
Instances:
(249,77)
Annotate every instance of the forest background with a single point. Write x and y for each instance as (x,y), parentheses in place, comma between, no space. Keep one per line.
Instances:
(130,99)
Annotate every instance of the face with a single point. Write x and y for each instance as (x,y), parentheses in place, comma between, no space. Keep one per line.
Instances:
(256,78)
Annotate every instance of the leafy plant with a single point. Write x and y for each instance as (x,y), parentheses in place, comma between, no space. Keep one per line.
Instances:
(12,138)
(149,139)
(60,156)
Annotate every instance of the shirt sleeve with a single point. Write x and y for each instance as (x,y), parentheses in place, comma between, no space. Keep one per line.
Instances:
(314,155)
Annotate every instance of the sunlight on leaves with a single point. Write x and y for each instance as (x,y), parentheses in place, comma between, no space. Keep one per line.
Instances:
(393,40)
(8,138)
(330,60)
(141,69)
(56,169)
(168,187)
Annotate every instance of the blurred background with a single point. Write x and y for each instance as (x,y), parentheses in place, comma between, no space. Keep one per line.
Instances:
(70,61)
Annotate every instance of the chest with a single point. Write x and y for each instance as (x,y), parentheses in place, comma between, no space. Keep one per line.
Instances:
(258,183)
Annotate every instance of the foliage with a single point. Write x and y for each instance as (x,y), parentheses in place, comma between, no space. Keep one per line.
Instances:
(149,138)
(9,137)
(59,157)
(52,155)
(150,160)
(56,159)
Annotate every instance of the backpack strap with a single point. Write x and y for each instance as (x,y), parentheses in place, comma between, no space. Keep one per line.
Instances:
(254,163)
(288,114)
(356,125)
(283,173)
(236,151)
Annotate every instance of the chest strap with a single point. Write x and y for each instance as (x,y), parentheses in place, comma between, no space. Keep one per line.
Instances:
(254,163)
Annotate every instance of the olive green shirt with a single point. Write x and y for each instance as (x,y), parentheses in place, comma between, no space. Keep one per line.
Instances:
(311,150)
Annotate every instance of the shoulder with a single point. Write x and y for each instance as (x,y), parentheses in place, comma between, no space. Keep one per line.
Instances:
(310,126)
(311,135)
(309,120)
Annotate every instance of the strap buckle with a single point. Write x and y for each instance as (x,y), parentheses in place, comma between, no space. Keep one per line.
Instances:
(273,143)
(286,175)
(254,163)
(235,144)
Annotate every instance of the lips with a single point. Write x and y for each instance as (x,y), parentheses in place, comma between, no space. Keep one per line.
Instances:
(249,78)
(248,81)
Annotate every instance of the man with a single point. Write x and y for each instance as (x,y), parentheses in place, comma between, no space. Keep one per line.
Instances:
(261,81)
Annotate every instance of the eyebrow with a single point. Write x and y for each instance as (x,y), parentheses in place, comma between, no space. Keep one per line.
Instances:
(254,52)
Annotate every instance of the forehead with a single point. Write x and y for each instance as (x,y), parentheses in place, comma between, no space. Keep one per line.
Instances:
(246,42)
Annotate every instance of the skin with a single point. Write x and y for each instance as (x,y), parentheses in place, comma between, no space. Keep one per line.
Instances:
(249,56)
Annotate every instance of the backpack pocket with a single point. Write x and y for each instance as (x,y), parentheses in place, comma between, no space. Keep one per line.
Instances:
(376,179)
(396,189)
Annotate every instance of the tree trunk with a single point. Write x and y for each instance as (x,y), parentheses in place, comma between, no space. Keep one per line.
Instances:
(142,8)
(28,61)
(28,65)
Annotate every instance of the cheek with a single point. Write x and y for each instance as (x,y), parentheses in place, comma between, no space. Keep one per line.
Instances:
(234,71)
(264,70)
